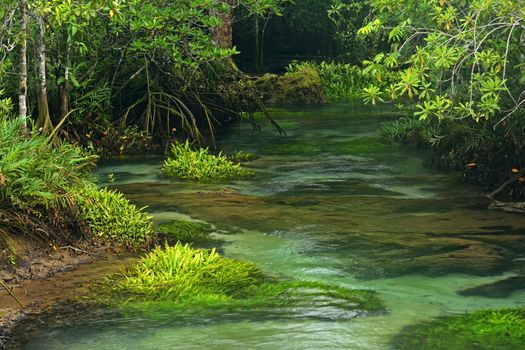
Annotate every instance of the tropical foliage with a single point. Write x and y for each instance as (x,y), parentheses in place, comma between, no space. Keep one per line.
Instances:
(460,64)
(48,183)
(111,216)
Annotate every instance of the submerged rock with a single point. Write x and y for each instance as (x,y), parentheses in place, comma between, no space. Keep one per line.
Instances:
(498,289)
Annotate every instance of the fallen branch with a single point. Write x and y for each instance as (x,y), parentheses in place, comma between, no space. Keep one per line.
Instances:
(502,188)
(511,207)
(8,290)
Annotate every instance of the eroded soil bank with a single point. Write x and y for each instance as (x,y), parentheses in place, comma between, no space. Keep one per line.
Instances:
(44,280)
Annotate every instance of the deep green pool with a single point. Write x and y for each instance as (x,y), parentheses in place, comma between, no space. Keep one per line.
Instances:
(329,203)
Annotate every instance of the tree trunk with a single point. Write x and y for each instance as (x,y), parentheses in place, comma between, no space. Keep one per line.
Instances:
(44,120)
(223,35)
(22,73)
(64,87)
(258,56)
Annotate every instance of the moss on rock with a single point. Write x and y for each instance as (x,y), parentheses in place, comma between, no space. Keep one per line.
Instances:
(303,86)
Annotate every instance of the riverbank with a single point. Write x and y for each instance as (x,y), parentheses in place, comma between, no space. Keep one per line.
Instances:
(44,281)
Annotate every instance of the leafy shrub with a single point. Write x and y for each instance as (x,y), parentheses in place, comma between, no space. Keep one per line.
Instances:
(186,163)
(40,180)
(33,172)
(409,130)
(110,215)
(488,329)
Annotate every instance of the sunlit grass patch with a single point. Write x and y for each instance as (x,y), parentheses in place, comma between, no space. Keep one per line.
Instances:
(111,216)
(199,165)
(183,272)
(182,278)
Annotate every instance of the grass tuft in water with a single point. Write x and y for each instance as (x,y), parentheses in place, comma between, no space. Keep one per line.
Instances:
(199,165)
(182,278)
(487,329)
(181,272)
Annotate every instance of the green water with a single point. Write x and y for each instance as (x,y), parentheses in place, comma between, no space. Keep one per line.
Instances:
(329,203)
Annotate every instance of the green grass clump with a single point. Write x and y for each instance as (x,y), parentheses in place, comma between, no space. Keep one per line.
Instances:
(111,216)
(182,278)
(487,329)
(39,177)
(186,231)
(181,272)
(185,163)
(33,172)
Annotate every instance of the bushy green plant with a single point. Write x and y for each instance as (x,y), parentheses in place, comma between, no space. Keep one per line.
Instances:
(182,275)
(34,172)
(180,272)
(186,163)
(186,231)
(111,216)
(488,329)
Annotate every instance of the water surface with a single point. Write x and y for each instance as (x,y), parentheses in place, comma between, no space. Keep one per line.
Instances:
(329,203)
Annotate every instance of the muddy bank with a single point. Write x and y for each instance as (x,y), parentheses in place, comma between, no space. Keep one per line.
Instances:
(42,281)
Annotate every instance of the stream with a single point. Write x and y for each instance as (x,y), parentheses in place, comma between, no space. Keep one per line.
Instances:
(329,203)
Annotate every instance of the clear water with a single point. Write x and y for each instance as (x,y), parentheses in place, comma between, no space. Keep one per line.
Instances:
(327,204)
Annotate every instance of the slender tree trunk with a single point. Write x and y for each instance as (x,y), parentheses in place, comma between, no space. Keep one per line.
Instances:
(22,73)
(223,35)
(257,45)
(64,87)
(44,120)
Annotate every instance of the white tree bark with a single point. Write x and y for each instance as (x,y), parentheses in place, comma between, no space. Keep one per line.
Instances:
(22,74)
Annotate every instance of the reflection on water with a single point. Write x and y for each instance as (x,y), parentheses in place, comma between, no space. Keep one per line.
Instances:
(329,203)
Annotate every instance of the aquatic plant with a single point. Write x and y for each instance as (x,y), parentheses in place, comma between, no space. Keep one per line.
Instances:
(180,276)
(242,157)
(186,163)
(186,231)
(111,216)
(487,329)
(180,272)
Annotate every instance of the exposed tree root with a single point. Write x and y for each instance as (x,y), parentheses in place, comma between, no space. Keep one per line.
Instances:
(513,207)
(58,225)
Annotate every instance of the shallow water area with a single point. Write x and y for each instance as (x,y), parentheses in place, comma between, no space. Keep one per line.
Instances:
(329,203)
